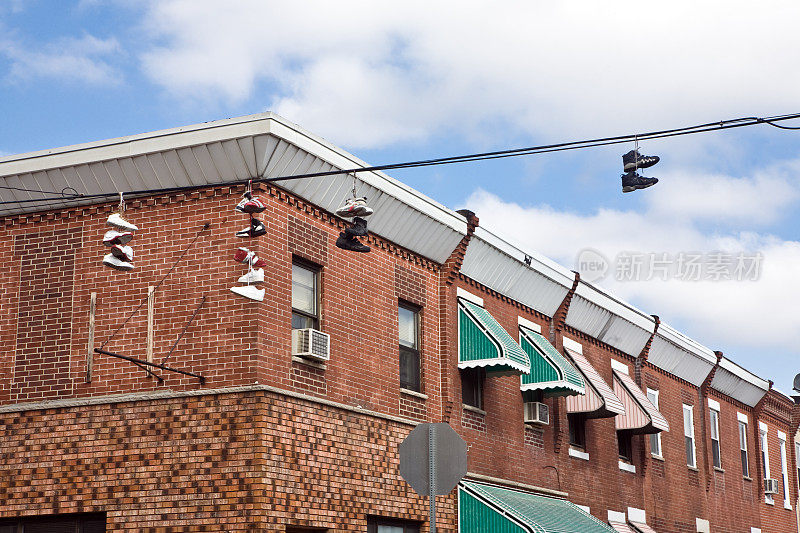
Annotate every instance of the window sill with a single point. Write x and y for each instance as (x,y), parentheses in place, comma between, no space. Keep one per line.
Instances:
(473,409)
(718,469)
(747,478)
(787,506)
(578,454)
(627,467)
(413,393)
(310,362)
(769,501)
(693,468)
(658,457)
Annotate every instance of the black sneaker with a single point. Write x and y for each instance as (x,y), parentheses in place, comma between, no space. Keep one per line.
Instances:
(633,181)
(358,229)
(633,160)
(256,229)
(346,242)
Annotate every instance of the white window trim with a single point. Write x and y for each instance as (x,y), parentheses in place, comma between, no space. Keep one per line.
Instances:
(587,510)
(719,443)
(690,408)
(524,322)
(746,448)
(627,467)
(637,515)
(616,516)
(660,453)
(620,367)
(703,526)
(713,404)
(578,454)
(741,417)
(474,298)
(787,503)
(763,431)
(575,346)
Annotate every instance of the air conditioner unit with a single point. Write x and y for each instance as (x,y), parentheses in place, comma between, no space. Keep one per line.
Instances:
(311,343)
(771,486)
(537,413)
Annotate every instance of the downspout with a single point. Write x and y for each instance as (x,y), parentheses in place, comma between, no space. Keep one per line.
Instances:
(638,364)
(702,393)
(447,306)
(556,327)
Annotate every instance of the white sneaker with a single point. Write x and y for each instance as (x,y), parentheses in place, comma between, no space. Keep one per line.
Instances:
(122,252)
(113,237)
(116,263)
(254,276)
(116,220)
(249,291)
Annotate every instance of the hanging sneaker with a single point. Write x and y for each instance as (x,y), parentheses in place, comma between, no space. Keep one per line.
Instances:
(254,276)
(355,207)
(122,252)
(117,263)
(242,255)
(250,205)
(116,220)
(358,229)
(256,229)
(633,160)
(346,242)
(633,181)
(250,291)
(113,237)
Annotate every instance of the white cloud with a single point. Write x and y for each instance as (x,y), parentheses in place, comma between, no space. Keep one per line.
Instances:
(400,71)
(83,60)
(754,314)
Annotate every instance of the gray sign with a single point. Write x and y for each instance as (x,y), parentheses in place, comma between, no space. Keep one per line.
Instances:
(433,455)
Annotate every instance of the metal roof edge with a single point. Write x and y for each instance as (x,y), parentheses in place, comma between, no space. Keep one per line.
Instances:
(744,374)
(615,306)
(539,263)
(677,338)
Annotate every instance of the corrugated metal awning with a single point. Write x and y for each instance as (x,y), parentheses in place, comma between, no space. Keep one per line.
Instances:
(599,400)
(620,527)
(641,527)
(550,371)
(492,509)
(641,416)
(483,343)
(738,383)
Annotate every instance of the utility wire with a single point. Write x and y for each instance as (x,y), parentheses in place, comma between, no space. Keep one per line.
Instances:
(485,156)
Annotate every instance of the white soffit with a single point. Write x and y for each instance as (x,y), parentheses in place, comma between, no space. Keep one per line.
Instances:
(679,355)
(736,382)
(496,263)
(612,321)
(262,145)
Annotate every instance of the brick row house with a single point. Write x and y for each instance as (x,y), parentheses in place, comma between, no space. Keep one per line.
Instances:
(581,413)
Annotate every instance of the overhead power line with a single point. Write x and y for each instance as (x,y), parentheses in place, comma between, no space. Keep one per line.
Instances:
(484,156)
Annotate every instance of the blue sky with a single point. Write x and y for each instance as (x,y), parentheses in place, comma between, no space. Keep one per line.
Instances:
(418,80)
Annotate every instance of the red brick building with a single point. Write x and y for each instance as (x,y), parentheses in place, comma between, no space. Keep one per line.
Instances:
(647,428)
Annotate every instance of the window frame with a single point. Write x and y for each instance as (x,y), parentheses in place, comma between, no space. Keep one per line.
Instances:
(576,431)
(716,452)
(655,438)
(763,435)
(476,378)
(625,444)
(415,351)
(797,462)
(743,451)
(784,471)
(689,438)
(316,270)
(409,526)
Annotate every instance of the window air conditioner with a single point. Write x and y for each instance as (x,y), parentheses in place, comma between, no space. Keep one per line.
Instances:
(311,343)
(537,413)
(770,486)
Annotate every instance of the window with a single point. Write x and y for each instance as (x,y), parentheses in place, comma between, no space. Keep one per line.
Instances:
(655,438)
(765,457)
(305,296)
(577,431)
(408,324)
(472,387)
(743,448)
(784,471)
(380,525)
(715,451)
(88,523)
(797,461)
(625,445)
(688,433)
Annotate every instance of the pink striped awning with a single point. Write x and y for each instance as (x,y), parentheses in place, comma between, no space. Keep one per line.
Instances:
(599,400)
(620,527)
(641,527)
(641,416)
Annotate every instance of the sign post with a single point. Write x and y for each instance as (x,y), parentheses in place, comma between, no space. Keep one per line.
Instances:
(433,459)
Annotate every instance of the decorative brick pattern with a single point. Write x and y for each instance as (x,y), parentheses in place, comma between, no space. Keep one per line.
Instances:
(534,436)
(307,241)
(410,285)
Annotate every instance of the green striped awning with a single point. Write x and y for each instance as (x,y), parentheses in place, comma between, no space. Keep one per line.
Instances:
(550,371)
(491,509)
(482,342)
